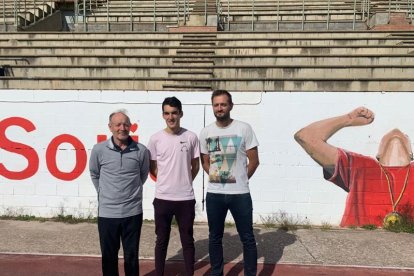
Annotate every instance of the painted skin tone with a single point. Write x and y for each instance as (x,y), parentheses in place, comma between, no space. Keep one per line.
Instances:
(394,149)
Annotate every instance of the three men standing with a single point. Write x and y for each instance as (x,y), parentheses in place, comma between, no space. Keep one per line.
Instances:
(119,167)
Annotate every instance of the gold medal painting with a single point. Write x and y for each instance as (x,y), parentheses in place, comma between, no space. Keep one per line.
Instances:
(395,150)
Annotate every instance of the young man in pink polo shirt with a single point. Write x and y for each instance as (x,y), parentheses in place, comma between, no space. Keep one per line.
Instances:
(175,162)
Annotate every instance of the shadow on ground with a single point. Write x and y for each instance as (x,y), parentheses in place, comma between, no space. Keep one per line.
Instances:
(270,246)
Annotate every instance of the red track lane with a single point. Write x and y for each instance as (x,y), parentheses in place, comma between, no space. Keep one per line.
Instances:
(48,265)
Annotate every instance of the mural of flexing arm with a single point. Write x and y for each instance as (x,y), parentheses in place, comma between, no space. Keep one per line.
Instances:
(380,190)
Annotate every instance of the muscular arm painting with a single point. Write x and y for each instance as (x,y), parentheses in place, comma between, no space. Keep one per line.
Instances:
(313,138)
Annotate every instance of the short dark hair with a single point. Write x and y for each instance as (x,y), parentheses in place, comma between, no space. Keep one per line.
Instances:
(173,102)
(220,92)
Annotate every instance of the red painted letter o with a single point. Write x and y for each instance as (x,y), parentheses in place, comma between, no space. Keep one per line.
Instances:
(51,153)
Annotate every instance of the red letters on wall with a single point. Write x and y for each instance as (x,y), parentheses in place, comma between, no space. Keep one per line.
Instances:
(51,152)
(26,151)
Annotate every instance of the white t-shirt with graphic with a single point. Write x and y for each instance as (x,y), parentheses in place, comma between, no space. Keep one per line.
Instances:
(173,153)
(226,147)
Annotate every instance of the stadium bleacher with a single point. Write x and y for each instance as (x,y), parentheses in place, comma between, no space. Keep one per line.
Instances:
(310,46)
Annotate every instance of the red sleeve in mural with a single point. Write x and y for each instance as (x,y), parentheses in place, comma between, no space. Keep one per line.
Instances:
(380,190)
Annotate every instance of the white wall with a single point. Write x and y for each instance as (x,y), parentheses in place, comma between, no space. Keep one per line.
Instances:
(287,180)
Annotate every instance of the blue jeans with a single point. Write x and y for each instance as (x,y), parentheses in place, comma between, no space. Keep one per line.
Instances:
(241,208)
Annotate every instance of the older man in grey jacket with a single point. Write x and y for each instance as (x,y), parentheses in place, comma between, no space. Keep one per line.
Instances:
(119,167)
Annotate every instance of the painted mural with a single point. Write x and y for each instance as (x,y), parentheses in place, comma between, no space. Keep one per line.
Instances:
(362,175)
(380,190)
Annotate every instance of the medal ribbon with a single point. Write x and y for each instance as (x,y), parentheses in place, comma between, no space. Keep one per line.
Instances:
(395,203)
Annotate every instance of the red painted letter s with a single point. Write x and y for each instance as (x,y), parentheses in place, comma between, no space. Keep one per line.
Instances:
(26,151)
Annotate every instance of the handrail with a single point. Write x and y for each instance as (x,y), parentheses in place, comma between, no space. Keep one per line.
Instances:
(15,58)
(389,10)
(303,15)
(361,10)
(354,18)
(228,15)
(4,15)
(278,15)
(328,16)
(177,4)
(25,21)
(219,11)
(154,17)
(253,15)
(131,20)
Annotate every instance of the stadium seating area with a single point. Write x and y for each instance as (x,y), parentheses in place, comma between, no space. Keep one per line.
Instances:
(261,45)
(19,14)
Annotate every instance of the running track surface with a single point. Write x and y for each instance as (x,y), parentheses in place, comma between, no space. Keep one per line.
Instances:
(52,265)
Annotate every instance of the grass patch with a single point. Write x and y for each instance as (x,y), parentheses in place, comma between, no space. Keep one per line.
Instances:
(60,218)
(73,220)
(284,221)
(325,226)
(369,226)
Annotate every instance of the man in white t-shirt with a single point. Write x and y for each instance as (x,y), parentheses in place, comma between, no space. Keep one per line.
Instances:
(175,162)
(230,156)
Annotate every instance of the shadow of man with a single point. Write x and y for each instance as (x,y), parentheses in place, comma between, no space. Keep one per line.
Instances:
(232,250)
(270,247)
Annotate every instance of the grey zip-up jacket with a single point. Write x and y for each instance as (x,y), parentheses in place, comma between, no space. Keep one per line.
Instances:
(118,177)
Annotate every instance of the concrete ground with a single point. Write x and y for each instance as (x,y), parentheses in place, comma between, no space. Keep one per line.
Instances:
(52,248)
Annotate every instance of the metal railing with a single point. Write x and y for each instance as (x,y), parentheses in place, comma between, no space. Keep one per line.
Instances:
(359,11)
(25,12)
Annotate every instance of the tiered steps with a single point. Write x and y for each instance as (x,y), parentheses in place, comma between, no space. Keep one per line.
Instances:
(194,60)
(125,15)
(275,15)
(280,61)
(18,15)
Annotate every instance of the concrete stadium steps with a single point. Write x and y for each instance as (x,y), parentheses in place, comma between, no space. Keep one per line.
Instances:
(264,72)
(96,60)
(220,42)
(27,13)
(291,15)
(120,15)
(195,50)
(233,15)
(242,52)
(136,17)
(89,71)
(245,84)
(220,35)
(321,61)
(338,25)
(252,61)
(316,72)
(356,60)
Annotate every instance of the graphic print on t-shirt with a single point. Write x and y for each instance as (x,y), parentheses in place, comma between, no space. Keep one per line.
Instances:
(223,156)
